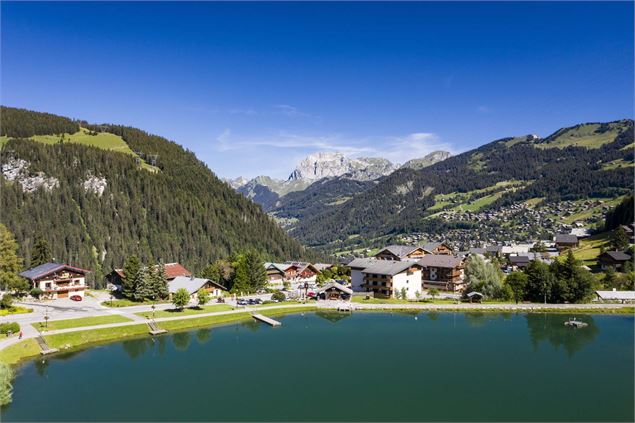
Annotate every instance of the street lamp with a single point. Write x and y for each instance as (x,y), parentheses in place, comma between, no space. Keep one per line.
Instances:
(153,307)
(46,317)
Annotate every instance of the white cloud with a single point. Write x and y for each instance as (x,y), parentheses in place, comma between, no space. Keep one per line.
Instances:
(397,149)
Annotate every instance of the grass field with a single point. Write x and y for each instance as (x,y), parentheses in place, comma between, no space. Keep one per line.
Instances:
(84,321)
(617,164)
(128,303)
(16,352)
(590,248)
(583,136)
(186,311)
(103,140)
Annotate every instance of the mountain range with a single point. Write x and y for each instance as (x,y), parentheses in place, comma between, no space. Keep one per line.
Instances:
(324,166)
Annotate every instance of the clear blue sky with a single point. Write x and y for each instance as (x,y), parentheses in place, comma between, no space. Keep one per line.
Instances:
(252,88)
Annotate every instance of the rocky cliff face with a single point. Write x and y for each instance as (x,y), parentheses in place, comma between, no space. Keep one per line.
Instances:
(329,165)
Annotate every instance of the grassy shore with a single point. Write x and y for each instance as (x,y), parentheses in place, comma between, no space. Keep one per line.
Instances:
(15,310)
(86,338)
(129,303)
(188,311)
(76,323)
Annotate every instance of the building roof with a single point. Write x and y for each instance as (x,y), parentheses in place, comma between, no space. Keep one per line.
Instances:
(361,263)
(400,250)
(616,295)
(474,294)
(322,266)
(440,260)
(519,259)
(617,255)
(46,269)
(431,246)
(566,239)
(337,286)
(482,251)
(277,266)
(172,270)
(389,267)
(190,284)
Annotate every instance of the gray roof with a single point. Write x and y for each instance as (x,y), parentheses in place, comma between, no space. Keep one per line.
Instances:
(337,286)
(618,255)
(389,267)
(494,249)
(616,295)
(48,268)
(440,260)
(400,250)
(278,266)
(430,246)
(519,259)
(474,293)
(566,239)
(191,285)
(361,263)
(322,266)
(482,251)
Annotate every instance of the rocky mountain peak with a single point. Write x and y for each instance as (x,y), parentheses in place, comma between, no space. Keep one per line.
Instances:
(332,164)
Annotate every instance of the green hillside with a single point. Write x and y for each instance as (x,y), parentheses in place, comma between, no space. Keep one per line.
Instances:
(181,213)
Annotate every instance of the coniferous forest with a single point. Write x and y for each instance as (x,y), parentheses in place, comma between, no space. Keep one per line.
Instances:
(182,213)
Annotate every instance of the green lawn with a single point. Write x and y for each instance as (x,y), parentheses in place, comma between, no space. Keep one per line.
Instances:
(186,311)
(590,248)
(124,302)
(84,321)
(617,164)
(14,353)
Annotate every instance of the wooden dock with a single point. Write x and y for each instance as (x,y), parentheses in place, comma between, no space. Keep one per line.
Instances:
(154,329)
(266,319)
(44,347)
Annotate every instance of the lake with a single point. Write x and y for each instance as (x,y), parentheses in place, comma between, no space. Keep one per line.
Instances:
(332,366)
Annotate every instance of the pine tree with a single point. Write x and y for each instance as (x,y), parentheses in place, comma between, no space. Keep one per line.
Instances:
(620,239)
(41,252)
(256,271)
(131,268)
(160,281)
(240,281)
(10,263)
(143,285)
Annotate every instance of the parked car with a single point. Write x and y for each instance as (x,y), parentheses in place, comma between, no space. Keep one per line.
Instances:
(76,297)
(311,294)
(241,302)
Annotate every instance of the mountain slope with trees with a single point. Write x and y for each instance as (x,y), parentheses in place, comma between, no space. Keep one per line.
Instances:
(181,213)
(551,169)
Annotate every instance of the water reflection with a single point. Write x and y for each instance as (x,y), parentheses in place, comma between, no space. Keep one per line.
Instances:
(551,328)
(203,335)
(251,325)
(332,316)
(433,315)
(181,340)
(136,348)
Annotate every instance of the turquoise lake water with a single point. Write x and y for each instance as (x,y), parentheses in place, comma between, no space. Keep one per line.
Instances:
(360,367)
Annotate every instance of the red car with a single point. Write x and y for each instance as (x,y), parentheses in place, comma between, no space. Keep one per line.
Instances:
(76,297)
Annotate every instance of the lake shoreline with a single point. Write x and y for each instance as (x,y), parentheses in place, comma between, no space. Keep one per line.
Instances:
(74,339)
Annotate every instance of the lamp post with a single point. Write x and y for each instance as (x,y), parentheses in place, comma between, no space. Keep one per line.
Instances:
(46,317)
(153,307)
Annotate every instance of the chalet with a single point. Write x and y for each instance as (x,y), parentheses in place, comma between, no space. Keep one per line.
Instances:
(518,262)
(437,248)
(629,230)
(275,273)
(57,280)
(389,278)
(334,291)
(300,270)
(566,241)
(516,249)
(442,272)
(193,285)
(614,259)
(323,266)
(172,270)
(400,253)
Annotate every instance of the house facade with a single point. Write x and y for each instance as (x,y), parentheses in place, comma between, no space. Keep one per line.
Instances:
(443,272)
(566,241)
(57,280)
(386,278)
(193,285)
(614,259)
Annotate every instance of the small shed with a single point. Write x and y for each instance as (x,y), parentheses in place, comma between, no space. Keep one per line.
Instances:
(616,296)
(334,291)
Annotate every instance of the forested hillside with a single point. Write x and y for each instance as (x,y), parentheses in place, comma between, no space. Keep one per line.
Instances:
(585,161)
(95,206)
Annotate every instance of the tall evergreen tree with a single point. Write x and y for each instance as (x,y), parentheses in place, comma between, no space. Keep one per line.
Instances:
(10,263)
(240,280)
(256,270)
(41,252)
(619,239)
(143,285)
(131,268)
(160,281)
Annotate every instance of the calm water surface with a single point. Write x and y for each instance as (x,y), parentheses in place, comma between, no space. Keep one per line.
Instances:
(368,366)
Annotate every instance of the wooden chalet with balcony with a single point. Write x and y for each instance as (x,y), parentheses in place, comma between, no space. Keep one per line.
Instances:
(57,280)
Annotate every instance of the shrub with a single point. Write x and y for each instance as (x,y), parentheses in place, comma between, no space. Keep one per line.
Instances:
(278,296)
(6,374)
(36,293)
(6,301)
(6,327)
(180,298)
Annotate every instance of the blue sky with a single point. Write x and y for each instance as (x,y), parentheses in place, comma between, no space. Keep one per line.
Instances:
(253,88)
